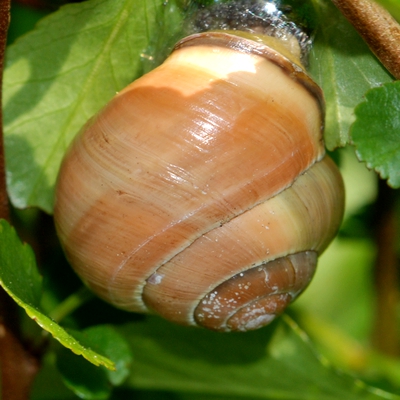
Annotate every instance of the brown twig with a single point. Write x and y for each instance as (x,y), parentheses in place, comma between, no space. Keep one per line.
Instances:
(385,336)
(377,27)
(4,22)
(18,365)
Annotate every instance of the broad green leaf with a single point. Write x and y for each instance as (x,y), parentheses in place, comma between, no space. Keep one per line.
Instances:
(276,362)
(376,132)
(63,72)
(20,278)
(48,384)
(344,67)
(86,380)
(18,272)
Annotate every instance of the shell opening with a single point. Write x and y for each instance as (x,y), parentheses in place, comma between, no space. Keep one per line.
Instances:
(253,298)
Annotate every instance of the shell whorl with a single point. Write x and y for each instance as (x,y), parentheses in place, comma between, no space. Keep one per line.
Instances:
(176,185)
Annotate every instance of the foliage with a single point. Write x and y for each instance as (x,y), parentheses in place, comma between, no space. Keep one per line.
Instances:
(66,69)
(379,112)
(23,284)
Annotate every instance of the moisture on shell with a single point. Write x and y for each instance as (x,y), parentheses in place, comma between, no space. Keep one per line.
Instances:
(255,16)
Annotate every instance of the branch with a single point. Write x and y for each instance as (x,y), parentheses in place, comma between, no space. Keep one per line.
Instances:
(4,22)
(18,365)
(377,27)
(385,335)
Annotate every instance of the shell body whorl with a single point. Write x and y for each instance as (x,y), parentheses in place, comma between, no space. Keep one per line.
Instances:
(204,169)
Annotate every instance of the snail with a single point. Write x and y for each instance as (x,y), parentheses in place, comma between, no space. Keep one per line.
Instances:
(202,192)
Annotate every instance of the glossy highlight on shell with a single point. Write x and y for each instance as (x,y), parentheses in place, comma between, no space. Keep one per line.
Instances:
(202,192)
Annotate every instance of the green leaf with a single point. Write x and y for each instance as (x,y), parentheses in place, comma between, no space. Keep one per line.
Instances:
(20,278)
(18,273)
(86,380)
(271,363)
(376,132)
(63,72)
(345,68)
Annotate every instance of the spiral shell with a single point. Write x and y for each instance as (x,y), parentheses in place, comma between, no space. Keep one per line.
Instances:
(202,191)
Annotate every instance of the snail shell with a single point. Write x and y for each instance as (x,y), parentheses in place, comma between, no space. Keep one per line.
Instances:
(202,191)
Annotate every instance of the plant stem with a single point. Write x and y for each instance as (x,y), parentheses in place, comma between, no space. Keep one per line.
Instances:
(71,303)
(377,27)
(18,365)
(4,22)
(385,336)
